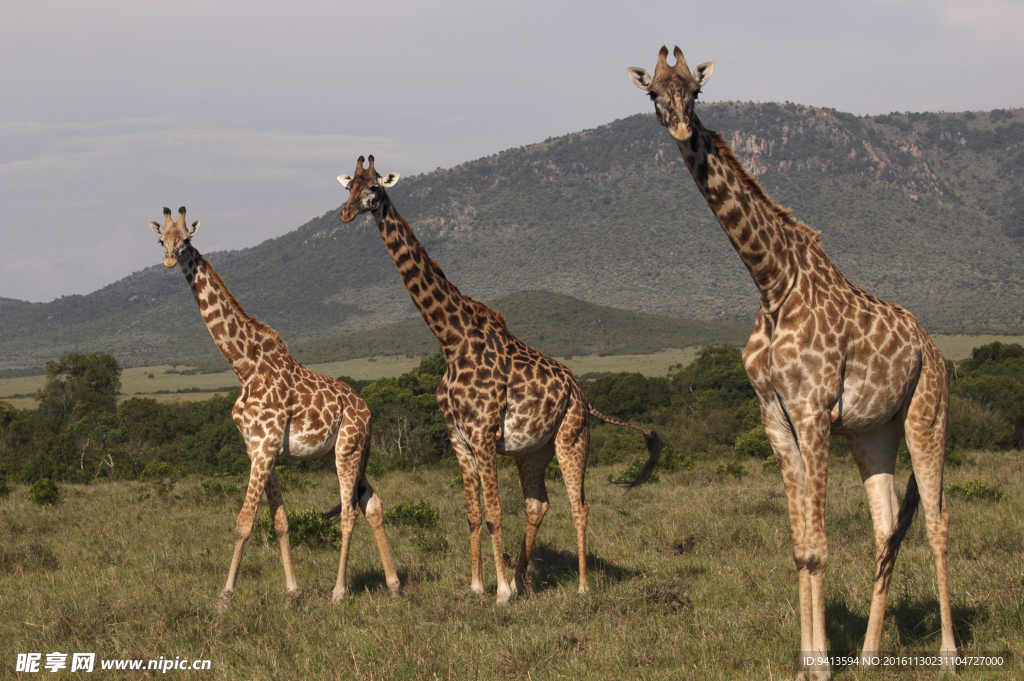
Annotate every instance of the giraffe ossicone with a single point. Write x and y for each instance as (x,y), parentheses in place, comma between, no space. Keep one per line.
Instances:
(283,410)
(497,396)
(825,357)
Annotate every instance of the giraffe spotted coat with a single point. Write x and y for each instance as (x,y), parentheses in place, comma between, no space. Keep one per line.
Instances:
(284,410)
(825,357)
(497,396)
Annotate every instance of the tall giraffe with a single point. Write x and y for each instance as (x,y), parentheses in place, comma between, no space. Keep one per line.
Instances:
(498,395)
(825,357)
(284,410)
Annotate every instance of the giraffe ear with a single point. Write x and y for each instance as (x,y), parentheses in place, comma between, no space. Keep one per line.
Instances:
(640,77)
(345,180)
(194,229)
(390,180)
(155,226)
(702,74)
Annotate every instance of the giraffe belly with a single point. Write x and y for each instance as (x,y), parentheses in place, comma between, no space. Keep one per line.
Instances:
(519,438)
(305,444)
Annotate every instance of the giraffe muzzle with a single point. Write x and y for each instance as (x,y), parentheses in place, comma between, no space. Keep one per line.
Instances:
(170,262)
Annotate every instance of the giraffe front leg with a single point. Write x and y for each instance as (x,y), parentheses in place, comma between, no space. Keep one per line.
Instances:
(280,518)
(487,462)
(471,485)
(262,465)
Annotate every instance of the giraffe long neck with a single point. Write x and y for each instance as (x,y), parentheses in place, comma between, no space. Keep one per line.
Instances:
(227,322)
(443,307)
(760,231)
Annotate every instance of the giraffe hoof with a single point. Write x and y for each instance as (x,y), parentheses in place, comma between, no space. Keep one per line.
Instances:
(394,589)
(504,596)
(337,596)
(224,601)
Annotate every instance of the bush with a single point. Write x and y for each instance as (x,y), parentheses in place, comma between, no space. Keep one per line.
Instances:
(975,490)
(308,527)
(421,514)
(770,464)
(973,425)
(220,486)
(633,472)
(754,443)
(5,489)
(733,468)
(621,444)
(44,492)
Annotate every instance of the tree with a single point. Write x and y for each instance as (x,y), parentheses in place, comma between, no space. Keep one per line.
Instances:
(75,380)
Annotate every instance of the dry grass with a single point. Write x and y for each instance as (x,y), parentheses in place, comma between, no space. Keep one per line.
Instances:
(690,578)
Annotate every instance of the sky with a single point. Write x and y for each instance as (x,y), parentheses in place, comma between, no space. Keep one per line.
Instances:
(245,112)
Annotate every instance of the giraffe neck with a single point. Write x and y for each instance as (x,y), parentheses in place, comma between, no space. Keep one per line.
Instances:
(231,328)
(760,231)
(442,306)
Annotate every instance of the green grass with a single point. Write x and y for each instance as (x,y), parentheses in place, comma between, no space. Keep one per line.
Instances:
(690,578)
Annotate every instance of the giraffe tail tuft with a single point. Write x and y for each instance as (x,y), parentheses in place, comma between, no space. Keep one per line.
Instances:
(908,508)
(653,443)
(333,513)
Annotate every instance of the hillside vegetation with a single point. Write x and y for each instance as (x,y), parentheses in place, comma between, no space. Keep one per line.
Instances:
(926,210)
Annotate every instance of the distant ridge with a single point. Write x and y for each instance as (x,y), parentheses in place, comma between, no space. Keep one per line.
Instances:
(925,210)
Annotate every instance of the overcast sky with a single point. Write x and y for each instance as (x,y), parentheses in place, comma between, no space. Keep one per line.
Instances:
(246,111)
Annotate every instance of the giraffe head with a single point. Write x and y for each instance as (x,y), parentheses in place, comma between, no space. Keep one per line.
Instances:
(365,189)
(674,90)
(173,234)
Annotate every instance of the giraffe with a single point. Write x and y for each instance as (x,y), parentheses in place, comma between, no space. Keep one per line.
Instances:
(824,357)
(283,410)
(497,396)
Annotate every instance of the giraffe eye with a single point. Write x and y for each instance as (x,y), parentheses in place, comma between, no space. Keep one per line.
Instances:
(161,241)
(652,95)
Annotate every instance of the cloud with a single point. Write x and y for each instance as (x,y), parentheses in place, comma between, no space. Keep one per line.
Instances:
(75,196)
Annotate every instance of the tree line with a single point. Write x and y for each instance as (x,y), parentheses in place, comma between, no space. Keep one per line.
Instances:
(80,432)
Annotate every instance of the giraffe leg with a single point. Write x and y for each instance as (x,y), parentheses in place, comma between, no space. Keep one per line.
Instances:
(277,512)
(347,470)
(373,509)
(875,454)
(485,448)
(926,439)
(531,476)
(262,466)
(809,557)
(471,483)
(572,443)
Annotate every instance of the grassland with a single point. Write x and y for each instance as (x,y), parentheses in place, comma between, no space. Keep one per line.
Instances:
(691,577)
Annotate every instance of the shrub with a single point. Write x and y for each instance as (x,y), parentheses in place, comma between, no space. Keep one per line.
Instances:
(973,425)
(158,470)
(633,472)
(770,464)
(621,444)
(44,492)
(308,527)
(733,468)
(220,486)
(421,514)
(5,489)
(975,489)
(754,443)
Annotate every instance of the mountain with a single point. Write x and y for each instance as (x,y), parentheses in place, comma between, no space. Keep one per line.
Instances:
(925,210)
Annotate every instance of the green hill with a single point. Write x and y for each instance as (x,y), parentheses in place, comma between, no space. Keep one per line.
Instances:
(926,210)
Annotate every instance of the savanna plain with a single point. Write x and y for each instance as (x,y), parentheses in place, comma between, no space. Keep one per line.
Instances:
(691,577)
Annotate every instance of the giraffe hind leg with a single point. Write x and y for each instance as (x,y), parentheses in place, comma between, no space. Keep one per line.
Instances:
(572,443)
(875,454)
(277,512)
(531,476)
(926,439)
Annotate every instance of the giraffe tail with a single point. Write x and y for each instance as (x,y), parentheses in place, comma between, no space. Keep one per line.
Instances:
(651,439)
(908,508)
(333,513)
